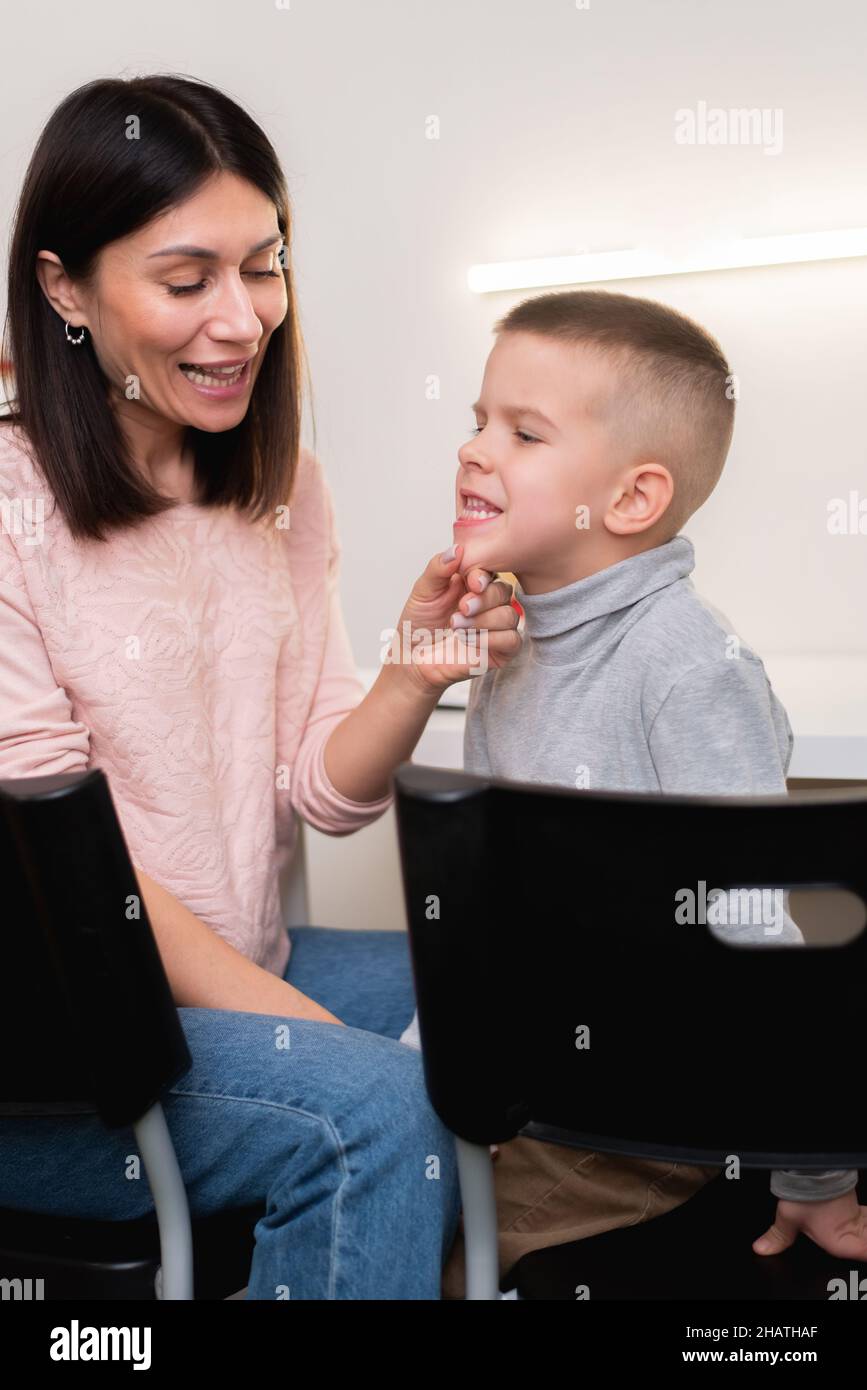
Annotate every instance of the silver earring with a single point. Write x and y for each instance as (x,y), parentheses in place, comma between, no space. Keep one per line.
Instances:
(76,342)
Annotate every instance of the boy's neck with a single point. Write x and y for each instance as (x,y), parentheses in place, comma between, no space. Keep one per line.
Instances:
(572,623)
(588,561)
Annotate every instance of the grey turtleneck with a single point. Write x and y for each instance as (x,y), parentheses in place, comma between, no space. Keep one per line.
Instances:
(628,680)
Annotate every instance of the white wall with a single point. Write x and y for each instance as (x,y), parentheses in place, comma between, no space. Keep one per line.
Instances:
(557,132)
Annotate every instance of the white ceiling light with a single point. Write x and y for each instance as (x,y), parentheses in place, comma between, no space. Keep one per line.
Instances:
(591,267)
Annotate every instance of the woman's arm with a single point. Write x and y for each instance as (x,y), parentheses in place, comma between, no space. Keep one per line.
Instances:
(206,972)
(381,732)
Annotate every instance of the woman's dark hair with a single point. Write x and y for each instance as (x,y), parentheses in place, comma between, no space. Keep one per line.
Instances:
(88,185)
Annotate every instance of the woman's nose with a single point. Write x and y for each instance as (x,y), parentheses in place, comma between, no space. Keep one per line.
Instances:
(235,316)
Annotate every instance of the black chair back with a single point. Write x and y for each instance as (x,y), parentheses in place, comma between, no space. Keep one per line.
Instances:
(87,1019)
(537,912)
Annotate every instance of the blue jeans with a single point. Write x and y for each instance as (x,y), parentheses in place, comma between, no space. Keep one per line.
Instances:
(334,1133)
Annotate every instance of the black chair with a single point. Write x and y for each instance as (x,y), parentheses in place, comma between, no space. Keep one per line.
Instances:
(534,911)
(88,1026)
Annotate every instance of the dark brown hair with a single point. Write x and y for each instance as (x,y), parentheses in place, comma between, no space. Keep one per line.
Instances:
(673,400)
(86,186)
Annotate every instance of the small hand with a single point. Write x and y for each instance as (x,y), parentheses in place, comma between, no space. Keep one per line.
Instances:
(838,1226)
(440,597)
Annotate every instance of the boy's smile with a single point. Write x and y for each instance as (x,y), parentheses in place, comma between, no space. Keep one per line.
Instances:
(476,510)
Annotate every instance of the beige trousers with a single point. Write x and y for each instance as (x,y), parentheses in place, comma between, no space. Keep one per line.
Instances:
(549,1194)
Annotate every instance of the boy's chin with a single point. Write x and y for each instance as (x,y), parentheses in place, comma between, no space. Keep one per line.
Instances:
(478,554)
(476,558)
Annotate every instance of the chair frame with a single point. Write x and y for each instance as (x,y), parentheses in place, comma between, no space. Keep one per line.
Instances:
(487,1090)
(99,975)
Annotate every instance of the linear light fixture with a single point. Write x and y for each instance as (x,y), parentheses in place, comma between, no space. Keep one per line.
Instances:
(638,264)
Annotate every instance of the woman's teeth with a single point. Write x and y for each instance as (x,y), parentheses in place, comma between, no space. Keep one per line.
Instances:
(215,376)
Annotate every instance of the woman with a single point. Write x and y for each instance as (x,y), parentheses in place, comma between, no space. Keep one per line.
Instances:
(176,623)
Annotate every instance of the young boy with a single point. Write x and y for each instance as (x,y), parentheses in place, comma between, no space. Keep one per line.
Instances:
(603,424)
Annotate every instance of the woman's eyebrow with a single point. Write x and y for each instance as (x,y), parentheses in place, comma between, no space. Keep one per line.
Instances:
(515,410)
(205,254)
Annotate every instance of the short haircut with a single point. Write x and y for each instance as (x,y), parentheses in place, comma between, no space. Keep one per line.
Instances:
(674,401)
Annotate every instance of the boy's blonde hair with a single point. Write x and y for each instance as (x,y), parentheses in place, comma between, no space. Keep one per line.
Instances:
(674,398)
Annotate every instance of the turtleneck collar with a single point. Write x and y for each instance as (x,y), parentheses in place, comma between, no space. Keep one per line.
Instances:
(570,624)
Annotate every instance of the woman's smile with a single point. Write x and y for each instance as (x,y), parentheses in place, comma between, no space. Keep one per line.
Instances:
(221,382)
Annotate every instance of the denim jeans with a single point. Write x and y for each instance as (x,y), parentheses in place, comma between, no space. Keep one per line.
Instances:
(334,1133)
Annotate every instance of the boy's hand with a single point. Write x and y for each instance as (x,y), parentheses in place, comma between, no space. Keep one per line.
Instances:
(440,594)
(838,1226)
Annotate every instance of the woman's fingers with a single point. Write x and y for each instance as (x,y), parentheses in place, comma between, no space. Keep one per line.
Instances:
(477,579)
(500,647)
(499,619)
(497,595)
(491,610)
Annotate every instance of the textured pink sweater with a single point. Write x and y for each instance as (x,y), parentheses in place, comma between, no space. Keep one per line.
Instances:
(202,661)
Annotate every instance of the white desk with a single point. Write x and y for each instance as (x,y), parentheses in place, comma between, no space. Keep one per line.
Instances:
(826,701)
(825,698)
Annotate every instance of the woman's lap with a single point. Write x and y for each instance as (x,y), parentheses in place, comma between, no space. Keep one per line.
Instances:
(363,977)
(329,1126)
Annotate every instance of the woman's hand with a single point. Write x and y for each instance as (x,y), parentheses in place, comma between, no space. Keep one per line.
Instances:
(381,732)
(452,628)
(838,1226)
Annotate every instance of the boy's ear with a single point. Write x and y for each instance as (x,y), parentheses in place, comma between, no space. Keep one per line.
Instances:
(641,499)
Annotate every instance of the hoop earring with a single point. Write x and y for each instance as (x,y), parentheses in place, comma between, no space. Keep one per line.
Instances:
(76,342)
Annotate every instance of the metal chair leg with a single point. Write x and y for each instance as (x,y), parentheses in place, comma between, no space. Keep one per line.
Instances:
(476,1176)
(170,1203)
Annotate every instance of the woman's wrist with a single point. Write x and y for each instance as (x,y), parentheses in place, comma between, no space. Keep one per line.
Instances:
(409,685)
(379,734)
(205,971)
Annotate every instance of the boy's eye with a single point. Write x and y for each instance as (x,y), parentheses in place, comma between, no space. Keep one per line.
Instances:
(522,435)
(189,289)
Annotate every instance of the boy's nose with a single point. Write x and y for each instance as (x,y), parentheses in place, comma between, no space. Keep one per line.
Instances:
(473,453)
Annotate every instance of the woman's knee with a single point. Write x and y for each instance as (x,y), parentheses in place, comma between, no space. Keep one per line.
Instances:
(275,1077)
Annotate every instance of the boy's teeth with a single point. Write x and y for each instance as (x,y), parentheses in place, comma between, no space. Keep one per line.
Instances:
(474,506)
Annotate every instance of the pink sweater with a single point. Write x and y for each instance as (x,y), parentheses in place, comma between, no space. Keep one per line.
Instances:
(202,661)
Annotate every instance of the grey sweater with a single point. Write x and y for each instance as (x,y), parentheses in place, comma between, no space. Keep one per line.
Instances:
(625,682)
